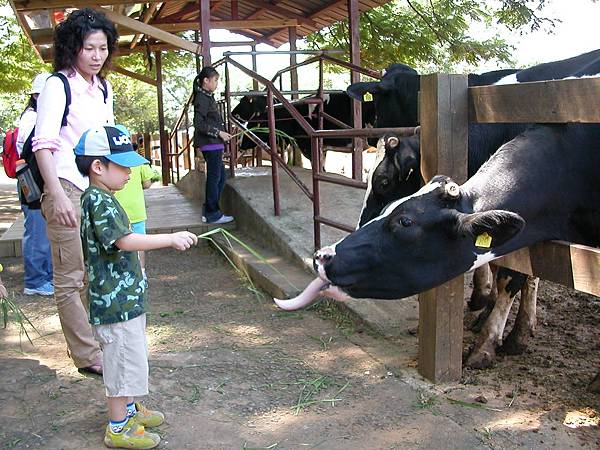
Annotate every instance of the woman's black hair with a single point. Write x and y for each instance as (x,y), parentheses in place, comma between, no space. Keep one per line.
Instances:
(31,103)
(85,162)
(70,34)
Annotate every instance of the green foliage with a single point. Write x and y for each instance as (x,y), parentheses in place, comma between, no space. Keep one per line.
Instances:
(18,65)
(135,101)
(434,33)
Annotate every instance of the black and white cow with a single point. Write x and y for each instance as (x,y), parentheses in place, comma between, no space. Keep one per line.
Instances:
(590,64)
(542,185)
(338,105)
(499,286)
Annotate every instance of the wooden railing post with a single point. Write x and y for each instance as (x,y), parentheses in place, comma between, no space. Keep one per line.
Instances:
(444,140)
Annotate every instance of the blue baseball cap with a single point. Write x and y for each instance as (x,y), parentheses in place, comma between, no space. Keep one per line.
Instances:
(113,143)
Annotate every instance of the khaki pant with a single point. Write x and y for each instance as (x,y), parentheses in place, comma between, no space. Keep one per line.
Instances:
(69,287)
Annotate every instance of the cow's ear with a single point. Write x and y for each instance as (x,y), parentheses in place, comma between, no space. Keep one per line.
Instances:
(407,158)
(490,228)
(358,90)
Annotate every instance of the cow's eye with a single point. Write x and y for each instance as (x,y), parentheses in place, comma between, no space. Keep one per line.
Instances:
(384,182)
(406,222)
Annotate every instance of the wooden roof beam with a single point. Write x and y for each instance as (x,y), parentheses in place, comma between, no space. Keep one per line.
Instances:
(156,33)
(31,5)
(175,27)
(134,75)
(268,7)
(146,16)
(315,14)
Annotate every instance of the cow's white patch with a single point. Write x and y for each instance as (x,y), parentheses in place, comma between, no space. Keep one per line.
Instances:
(429,187)
(379,155)
(509,79)
(312,106)
(483,259)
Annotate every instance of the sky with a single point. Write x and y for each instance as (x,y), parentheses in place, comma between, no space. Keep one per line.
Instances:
(578,33)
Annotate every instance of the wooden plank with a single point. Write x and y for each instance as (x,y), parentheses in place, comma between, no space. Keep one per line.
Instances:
(151,31)
(556,101)
(205,25)
(176,27)
(572,265)
(443,150)
(30,5)
(440,348)
(137,76)
(354,37)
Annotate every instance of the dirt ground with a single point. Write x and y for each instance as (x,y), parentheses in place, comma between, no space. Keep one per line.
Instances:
(231,371)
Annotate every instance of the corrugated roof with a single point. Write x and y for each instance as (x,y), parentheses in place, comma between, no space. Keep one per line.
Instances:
(260,20)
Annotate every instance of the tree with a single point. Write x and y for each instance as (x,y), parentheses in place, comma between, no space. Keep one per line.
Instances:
(18,65)
(434,33)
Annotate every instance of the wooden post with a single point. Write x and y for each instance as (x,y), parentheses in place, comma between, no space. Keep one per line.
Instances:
(147,147)
(204,31)
(444,140)
(164,140)
(197,56)
(254,68)
(294,72)
(357,143)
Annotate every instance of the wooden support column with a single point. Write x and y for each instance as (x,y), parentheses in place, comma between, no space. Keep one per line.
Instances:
(197,56)
(294,72)
(357,143)
(444,131)
(254,68)
(204,31)
(164,141)
(292,35)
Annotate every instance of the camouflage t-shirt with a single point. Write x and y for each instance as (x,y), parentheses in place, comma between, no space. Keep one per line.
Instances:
(116,289)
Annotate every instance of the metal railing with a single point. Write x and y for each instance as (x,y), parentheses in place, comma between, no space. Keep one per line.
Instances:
(316,135)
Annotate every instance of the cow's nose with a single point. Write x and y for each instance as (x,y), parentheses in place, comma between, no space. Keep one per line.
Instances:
(324,256)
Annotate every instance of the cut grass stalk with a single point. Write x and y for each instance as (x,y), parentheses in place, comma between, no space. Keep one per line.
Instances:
(228,237)
(8,307)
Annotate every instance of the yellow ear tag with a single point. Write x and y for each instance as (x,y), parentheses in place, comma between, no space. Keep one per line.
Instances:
(483,240)
(367,97)
(1,268)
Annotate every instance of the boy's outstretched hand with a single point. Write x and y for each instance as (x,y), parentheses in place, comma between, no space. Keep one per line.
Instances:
(182,240)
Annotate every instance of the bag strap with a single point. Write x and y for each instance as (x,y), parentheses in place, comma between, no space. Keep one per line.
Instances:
(65,82)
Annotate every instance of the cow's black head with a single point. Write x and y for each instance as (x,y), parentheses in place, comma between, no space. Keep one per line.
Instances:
(395,96)
(417,243)
(396,175)
(250,107)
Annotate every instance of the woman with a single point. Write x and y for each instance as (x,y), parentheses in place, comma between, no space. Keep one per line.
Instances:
(209,137)
(37,258)
(83,46)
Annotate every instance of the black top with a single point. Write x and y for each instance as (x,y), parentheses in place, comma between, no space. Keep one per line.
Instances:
(207,119)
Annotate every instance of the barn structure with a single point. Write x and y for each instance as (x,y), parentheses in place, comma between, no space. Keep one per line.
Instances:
(153,27)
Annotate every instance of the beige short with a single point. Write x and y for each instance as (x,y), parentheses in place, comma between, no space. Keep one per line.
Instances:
(124,357)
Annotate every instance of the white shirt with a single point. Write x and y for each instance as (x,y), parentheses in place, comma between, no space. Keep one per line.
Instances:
(26,124)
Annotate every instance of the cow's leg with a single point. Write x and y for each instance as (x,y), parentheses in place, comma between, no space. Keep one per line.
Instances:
(488,274)
(595,384)
(524,329)
(483,288)
(484,351)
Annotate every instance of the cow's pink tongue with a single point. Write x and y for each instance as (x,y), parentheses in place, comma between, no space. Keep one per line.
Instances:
(307,296)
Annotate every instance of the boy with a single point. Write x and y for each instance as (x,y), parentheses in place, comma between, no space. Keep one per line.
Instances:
(131,198)
(116,288)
